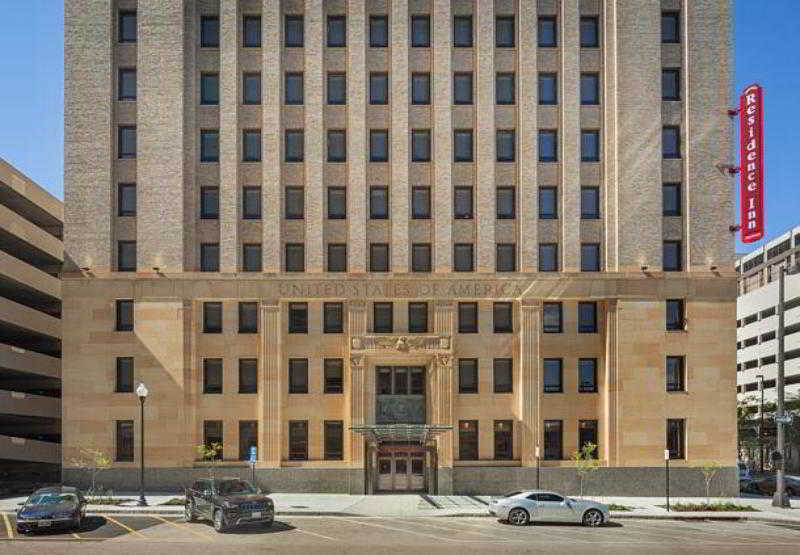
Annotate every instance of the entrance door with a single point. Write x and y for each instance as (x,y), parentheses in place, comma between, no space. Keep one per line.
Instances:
(401,471)
(385,474)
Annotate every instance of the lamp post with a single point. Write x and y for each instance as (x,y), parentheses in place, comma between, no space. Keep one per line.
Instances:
(760,378)
(780,499)
(537,467)
(666,474)
(141,392)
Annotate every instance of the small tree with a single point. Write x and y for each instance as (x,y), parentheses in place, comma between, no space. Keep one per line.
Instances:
(93,462)
(709,470)
(585,462)
(209,452)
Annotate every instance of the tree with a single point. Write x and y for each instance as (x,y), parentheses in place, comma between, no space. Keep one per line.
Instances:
(709,469)
(585,462)
(93,462)
(210,453)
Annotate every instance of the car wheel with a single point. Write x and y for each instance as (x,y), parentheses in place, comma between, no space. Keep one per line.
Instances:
(518,517)
(219,521)
(592,517)
(188,512)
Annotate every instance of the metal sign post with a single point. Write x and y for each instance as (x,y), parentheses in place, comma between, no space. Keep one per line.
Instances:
(253,457)
(537,467)
(666,462)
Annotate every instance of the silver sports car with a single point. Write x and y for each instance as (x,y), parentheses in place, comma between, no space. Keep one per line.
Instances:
(521,507)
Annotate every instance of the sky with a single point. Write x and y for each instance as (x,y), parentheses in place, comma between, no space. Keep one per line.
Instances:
(32,94)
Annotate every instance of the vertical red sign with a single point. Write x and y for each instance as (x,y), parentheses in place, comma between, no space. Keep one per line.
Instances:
(751,136)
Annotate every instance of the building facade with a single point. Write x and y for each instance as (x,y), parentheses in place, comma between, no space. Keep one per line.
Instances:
(31,254)
(401,245)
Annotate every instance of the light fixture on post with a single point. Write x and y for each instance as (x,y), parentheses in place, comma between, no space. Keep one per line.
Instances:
(141,392)
(645,267)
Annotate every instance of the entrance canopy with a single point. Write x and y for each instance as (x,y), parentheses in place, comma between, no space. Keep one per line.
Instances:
(409,433)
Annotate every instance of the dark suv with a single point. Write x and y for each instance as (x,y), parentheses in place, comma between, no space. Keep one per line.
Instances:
(228,502)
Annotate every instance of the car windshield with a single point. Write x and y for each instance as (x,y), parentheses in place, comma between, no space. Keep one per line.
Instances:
(231,487)
(51,498)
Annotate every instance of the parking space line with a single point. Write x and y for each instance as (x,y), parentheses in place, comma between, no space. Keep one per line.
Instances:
(459,530)
(686,528)
(404,530)
(76,536)
(729,530)
(124,526)
(539,529)
(9,529)
(186,528)
(314,534)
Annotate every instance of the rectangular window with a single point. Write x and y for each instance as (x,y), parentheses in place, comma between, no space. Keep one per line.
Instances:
(547,32)
(212,317)
(126,84)
(248,437)
(248,317)
(670,27)
(462,31)
(671,259)
(676,439)
(462,257)
(298,375)
(421,145)
(468,440)
(548,146)
(503,440)
(124,315)
(209,31)
(467,317)
(506,257)
(293,31)
(298,440)
(212,376)
(590,257)
(587,434)
(421,257)
(209,257)
(334,372)
(294,145)
(378,202)
(468,375)
(124,375)
(548,257)
(548,203)
(337,145)
(417,317)
(671,199)
(421,88)
(251,145)
(503,375)
(670,84)
(504,88)
(378,257)
(209,145)
(420,203)
(462,203)
(382,317)
(251,257)
(251,203)
(675,315)
(671,142)
(127,28)
(333,318)
(337,88)
(505,203)
(337,257)
(590,88)
(504,31)
(590,36)
(126,141)
(505,145)
(378,145)
(378,88)
(337,31)
(252,31)
(675,374)
(553,440)
(548,88)
(126,199)
(248,375)
(420,31)
(590,146)
(590,203)
(462,88)
(212,436)
(209,88)
(251,88)
(126,256)
(587,375)
(337,203)
(334,440)
(587,317)
(124,441)
(503,317)
(298,317)
(378,31)
(462,145)
(552,318)
(294,88)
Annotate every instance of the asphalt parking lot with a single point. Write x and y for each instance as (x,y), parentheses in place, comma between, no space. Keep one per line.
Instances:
(130,535)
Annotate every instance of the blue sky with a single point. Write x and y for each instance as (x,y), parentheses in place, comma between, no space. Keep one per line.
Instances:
(32,105)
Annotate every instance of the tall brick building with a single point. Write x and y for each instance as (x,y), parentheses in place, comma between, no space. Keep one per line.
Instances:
(400,245)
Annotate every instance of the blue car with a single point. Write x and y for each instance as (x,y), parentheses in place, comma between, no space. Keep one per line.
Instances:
(59,507)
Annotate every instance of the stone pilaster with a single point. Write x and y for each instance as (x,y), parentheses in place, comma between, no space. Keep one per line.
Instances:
(610,445)
(527,136)
(356,136)
(529,389)
(444,324)
(399,157)
(484,137)
(271,133)
(229,136)
(442,94)
(314,89)
(271,387)
(570,141)
(357,392)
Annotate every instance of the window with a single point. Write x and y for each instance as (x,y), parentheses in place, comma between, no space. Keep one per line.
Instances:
(587,317)
(251,145)
(462,257)
(590,88)
(405,380)
(675,374)
(127,84)
(337,31)
(126,145)
(248,437)
(421,257)
(212,317)
(334,440)
(337,257)
(252,88)
(248,317)
(675,315)
(670,84)
(590,36)
(382,317)
(378,203)
(298,375)
(505,203)
(248,375)
(462,203)
(468,375)
(209,145)
(670,27)
(212,376)
(209,31)
(590,257)
(676,438)
(548,88)
(462,31)
(251,203)
(126,256)
(337,146)
(124,375)
(378,257)
(547,33)
(334,372)
(332,318)
(420,31)
(587,433)
(590,203)
(378,88)
(421,145)
(468,440)
(298,317)
(337,88)
(553,440)
(298,440)
(417,317)
(378,146)
(503,375)
(126,199)
(590,146)
(209,257)
(378,31)
(293,31)
(671,142)
(252,31)
(587,375)
(127,28)
(504,88)
(337,203)
(503,440)
(294,145)
(462,88)
(548,257)
(553,382)
(212,434)
(421,88)
(124,315)
(209,88)
(552,318)
(504,32)
(209,203)
(505,145)
(672,256)
(462,145)
(420,203)
(506,257)
(503,318)
(548,146)
(124,441)
(467,317)
(671,202)
(294,88)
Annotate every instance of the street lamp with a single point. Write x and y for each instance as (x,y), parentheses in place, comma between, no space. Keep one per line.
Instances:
(780,498)
(141,392)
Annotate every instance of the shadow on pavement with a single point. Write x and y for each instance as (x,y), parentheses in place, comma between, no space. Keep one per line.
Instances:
(256,529)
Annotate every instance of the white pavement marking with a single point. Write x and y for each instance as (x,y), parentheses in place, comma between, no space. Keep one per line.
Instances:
(314,534)
(412,532)
(686,528)
(457,530)
(9,529)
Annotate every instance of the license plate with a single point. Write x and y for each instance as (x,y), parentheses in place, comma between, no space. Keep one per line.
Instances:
(44,523)
(255,514)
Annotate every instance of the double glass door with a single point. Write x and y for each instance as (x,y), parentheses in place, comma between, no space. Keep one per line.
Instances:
(401,471)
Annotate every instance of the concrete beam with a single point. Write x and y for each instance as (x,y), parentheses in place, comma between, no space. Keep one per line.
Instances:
(21,449)
(25,404)
(28,318)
